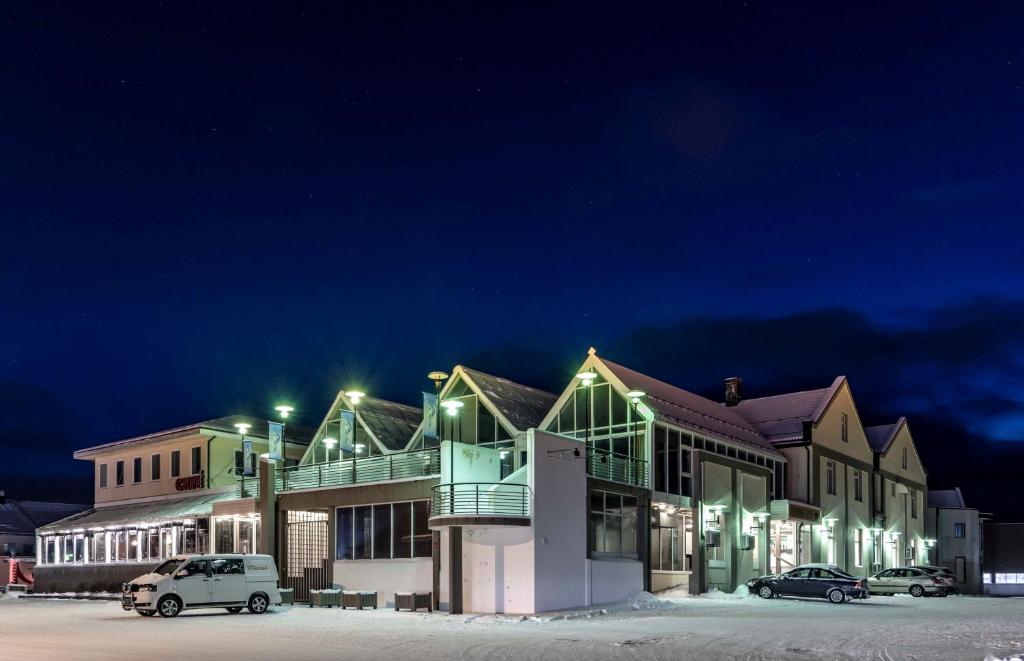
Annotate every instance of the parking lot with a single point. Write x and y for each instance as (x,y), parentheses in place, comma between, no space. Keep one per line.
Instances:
(708,627)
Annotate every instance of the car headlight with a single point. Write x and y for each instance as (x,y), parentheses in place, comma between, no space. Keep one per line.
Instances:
(149,587)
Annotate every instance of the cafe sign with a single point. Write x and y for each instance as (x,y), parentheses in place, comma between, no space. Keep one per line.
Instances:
(190,483)
(788,510)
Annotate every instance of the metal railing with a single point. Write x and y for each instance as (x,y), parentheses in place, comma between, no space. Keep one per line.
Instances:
(615,467)
(248,487)
(481,498)
(382,468)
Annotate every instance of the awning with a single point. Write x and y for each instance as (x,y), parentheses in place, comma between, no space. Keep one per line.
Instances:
(158,511)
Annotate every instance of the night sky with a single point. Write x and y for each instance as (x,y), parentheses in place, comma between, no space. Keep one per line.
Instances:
(208,210)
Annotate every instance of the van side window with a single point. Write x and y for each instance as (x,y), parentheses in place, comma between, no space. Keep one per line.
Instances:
(195,568)
(228,566)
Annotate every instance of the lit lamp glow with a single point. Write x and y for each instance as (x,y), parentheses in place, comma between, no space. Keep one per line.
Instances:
(587,378)
(635,395)
(330,442)
(452,406)
(242,427)
(355,396)
(284,410)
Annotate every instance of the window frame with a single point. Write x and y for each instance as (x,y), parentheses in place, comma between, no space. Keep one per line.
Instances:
(104,482)
(830,478)
(154,467)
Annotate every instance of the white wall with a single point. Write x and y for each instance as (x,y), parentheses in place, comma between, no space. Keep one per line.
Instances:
(497,570)
(384,576)
(614,579)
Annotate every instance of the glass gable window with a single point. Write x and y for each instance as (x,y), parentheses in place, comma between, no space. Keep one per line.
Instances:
(613,524)
(672,461)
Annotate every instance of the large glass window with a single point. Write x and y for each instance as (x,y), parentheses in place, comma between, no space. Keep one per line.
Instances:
(613,524)
(363,533)
(422,538)
(382,531)
(224,530)
(387,531)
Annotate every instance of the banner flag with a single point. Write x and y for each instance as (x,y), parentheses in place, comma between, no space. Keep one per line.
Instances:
(429,415)
(276,432)
(347,432)
(248,467)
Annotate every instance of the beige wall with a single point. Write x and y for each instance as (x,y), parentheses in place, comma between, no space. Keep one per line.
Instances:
(828,432)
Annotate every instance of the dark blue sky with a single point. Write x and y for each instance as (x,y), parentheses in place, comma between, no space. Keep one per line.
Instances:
(207,209)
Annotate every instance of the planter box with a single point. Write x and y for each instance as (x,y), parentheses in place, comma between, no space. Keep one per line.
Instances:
(359,599)
(324,598)
(287,595)
(414,601)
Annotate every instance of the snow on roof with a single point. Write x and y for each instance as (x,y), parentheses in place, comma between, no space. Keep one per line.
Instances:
(682,407)
(780,418)
(149,512)
(392,423)
(946,498)
(523,406)
(881,436)
(22,517)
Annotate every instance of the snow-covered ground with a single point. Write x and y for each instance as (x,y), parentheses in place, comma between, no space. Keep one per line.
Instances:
(716,626)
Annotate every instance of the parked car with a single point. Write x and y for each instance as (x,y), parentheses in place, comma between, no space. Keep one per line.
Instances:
(941,572)
(816,580)
(907,580)
(231,581)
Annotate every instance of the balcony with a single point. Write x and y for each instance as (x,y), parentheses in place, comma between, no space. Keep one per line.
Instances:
(619,468)
(480,504)
(248,487)
(383,468)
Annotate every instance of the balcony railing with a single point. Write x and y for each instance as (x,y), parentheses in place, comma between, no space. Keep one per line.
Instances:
(615,467)
(481,499)
(247,488)
(382,468)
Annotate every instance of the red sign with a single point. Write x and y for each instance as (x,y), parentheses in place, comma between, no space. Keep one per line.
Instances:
(189,483)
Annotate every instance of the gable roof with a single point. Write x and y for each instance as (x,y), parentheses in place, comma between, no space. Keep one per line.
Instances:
(881,437)
(294,433)
(780,418)
(946,498)
(392,424)
(524,407)
(681,407)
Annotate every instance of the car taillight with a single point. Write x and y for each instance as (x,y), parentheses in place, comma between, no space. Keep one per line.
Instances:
(859,584)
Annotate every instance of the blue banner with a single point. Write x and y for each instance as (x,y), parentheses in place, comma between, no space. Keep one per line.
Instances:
(347,432)
(429,415)
(248,456)
(276,433)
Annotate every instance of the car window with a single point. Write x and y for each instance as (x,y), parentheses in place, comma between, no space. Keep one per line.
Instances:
(168,567)
(228,566)
(888,573)
(820,573)
(799,573)
(195,568)
(914,573)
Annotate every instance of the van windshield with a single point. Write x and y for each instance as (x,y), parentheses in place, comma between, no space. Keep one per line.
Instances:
(168,567)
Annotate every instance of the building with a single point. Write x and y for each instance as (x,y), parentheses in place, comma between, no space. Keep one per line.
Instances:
(175,491)
(1003,559)
(18,522)
(957,531)
(517,500)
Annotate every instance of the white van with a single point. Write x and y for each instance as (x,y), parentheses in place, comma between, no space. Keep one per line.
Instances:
(213,580)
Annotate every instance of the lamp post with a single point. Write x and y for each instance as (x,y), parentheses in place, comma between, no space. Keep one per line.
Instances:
(634,399)
(587,379)
(242,428)
(452,406)
(438,377)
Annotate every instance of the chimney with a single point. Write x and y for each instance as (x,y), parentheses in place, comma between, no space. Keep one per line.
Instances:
(733,391)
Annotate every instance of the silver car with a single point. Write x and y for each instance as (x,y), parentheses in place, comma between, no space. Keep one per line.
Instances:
(906,580)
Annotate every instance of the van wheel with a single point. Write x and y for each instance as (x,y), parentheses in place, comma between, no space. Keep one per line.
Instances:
(234,609)
(916,591)
(765,592)
(836,596)
(168,606)
(258,603)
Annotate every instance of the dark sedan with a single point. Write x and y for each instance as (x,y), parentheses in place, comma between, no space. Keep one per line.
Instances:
(814,581)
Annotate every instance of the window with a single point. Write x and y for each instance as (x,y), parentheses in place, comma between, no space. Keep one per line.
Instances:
(913,504)
(844,428)
(103,476)
(119,474)
(197,460)
(830,478)
(175,463)
(904,458)
(892,489)
(154,467)
(136,470)
(384,531)
(858,546)
(960,568)
(858,489)
(960,530)
(613,524)
(986,578)
(228,566)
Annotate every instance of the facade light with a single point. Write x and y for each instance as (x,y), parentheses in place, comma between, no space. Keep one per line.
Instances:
(355,396)
(330,442)
(242,427)
(635,395)
(284,410)
(587,378)
(360,447)
(452,406)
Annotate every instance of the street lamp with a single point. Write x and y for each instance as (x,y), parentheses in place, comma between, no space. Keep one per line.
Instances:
(438,377)
(587,378)
(354,397)
(284,410)
(242,428)
(451,407)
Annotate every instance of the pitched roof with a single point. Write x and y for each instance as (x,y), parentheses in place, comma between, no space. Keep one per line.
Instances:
(523,406)
(946,498)
(392,423)
(780,418)
(880,437)
(684,408)
(294,433)
(22,517)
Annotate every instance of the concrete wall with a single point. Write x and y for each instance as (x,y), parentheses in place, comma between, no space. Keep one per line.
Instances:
(498,570)
(384,576)
(614,579)
(717,491)
(940,525)
(87,578)
(753,497)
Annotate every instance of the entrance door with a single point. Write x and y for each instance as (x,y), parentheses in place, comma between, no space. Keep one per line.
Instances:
(306,565)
